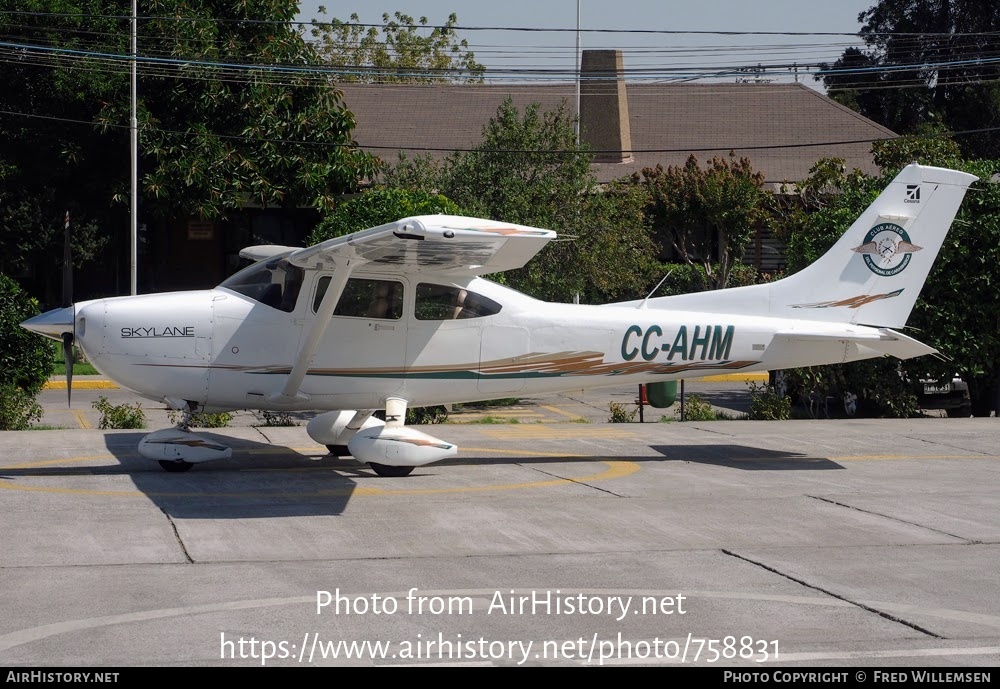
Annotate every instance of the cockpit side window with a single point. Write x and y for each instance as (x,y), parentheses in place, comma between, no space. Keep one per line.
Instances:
(364,298)
(445,302)
(275,283)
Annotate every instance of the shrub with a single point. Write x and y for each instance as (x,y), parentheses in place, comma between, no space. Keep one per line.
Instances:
(426,415)
(277,418)
(119,415)
(202,419)
(17,409)
(697,409)
(767,404)
(620,413)
(874,388)
(25,358)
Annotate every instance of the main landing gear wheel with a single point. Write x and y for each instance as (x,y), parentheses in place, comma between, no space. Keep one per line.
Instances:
(339,450)
(175,467)
(389,470)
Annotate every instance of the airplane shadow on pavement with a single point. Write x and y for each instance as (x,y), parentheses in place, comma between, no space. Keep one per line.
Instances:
(260,480)
(746,458)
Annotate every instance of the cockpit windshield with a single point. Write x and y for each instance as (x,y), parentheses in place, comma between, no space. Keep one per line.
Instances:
(274,282)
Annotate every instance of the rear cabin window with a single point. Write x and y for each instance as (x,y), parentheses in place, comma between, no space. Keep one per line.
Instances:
(363,298)
(445,303)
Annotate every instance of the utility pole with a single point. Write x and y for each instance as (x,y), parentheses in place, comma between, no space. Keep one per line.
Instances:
(134,132)
(578,67)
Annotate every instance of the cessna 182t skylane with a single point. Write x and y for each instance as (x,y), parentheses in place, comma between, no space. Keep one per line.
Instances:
(397,315)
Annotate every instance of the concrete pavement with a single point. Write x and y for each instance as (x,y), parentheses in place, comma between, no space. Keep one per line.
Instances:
(836,543)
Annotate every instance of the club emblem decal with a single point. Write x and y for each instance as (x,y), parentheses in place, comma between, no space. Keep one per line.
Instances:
(887,249)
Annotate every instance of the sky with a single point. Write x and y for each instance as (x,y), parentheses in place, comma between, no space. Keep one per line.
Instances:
(651,56)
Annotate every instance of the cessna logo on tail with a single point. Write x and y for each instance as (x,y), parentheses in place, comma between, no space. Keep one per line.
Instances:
(912,193)
(887,249)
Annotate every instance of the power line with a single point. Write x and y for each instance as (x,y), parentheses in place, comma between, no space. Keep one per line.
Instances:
(523,29)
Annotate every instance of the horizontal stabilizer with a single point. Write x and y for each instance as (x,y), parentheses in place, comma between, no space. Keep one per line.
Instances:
(882,340)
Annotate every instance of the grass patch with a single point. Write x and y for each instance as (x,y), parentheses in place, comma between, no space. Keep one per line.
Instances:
(47,427)
(80,368)
(496,419)
(488,404)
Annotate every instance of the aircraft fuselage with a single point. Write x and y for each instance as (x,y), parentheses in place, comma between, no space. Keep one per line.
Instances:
(225,350)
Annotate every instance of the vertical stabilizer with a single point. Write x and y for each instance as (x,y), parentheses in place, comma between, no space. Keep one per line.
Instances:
(875,271)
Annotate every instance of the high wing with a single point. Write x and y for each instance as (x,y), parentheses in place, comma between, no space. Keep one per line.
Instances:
(442,244)
(263,252)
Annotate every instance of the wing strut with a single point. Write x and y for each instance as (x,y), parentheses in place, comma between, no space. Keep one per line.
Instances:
(290,394)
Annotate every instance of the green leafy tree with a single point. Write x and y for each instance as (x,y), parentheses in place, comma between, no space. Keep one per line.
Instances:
(402,51)
(215,139)
(213,136)
(963,275)
(706,214)
(529,169)
(25,358)
(925,62)
(50,163)
(378,207)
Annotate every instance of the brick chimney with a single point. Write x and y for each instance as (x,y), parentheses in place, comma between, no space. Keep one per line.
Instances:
(604,121)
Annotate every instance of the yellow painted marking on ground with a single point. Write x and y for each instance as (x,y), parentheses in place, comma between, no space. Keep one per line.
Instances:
(526,453)
(735,378)
(468,417)
(616,469)
(549,432)
(54,462)
(81,420)
(857,458)
(557,410)
(80,385)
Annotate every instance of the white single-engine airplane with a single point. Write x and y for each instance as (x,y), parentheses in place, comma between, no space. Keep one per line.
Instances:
(397,315)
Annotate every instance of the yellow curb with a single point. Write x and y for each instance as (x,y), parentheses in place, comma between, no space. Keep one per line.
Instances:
(80,385)
(735,378)
(108,385)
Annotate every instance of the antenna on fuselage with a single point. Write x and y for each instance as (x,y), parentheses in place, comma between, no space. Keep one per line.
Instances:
(642,305)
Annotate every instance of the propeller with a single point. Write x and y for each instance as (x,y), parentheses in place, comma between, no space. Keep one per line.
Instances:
(67,301)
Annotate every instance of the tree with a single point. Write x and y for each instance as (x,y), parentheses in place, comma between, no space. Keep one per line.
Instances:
(378,207)
(400,52)
(52,159)
(707,215)
(530,170)
(25,358)
(228,116)
(215,139)
(925,62)
(957,312)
